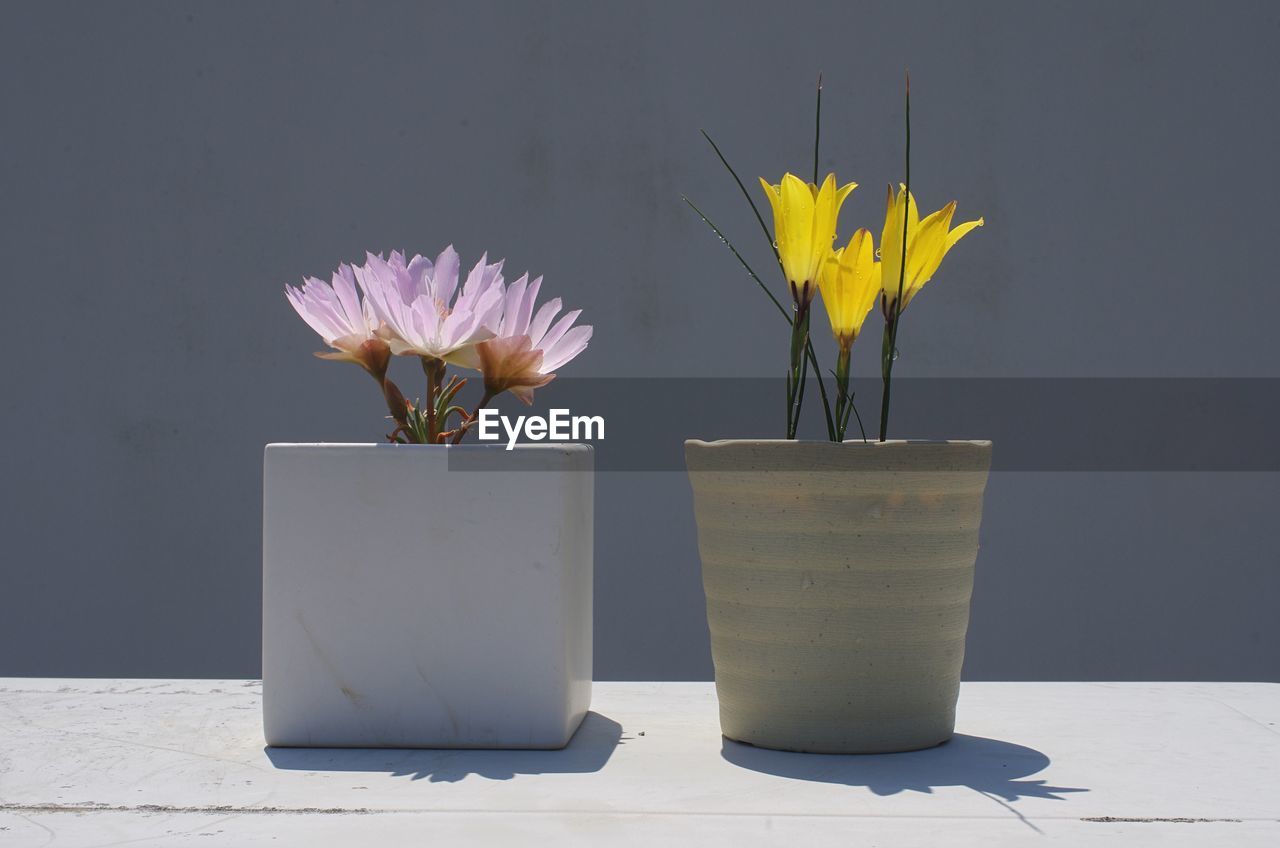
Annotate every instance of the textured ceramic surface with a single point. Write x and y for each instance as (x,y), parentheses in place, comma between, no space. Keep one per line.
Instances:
(424,596)
(838,579)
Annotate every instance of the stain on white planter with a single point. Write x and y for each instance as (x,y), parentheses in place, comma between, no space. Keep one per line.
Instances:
(838,579)
(426,596)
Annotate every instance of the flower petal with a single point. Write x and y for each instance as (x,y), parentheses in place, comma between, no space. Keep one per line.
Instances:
(558,329)
(302,306)
(891,247)
(844,191)
(511,309)
(542,320)
(482,277)
(420,270)
(796,233)
(344,287)
(961,231)
(850,284)
(570,345)
(526,306)
(773,192)
(926,246)
(444,277)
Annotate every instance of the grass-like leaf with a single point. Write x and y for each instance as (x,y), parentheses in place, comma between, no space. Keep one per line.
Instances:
(817,129)
(725,239)
(764,228)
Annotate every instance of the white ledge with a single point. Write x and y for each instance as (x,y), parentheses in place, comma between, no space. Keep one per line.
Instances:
(89,762)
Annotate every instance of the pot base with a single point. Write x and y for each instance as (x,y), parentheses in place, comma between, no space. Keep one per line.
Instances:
(856,749)
(836,722)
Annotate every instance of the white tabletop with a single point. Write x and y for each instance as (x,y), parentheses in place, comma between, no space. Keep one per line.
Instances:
(176,762)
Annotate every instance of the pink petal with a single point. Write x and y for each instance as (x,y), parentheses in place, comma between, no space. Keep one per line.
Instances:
(444,276)
(526,306)
(511,308)
(344,287)
(563,351)
(558,329)
(420,269)
(538,327)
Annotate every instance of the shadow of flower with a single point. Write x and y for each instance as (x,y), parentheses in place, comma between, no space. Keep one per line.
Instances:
(588,751)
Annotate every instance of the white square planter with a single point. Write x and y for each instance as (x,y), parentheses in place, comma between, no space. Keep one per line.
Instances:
(426,596)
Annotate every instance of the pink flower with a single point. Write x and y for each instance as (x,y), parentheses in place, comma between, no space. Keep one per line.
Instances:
(528,348)
(420,315)
(335,312)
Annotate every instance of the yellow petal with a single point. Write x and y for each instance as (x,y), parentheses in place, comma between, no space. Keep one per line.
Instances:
(795,235)
(961,231)
(945,244)
(844,191)
(860,258)
(938,241)
(825,213)
(850,284)
(891,246)
(829,284)
(775,202)
(831,290)
(913,213)
(926,248)
(824,199)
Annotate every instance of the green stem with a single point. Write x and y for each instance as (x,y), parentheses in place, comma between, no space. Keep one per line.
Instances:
(799,366)
(804,377)
(886,371)
(843,401)
(434,369)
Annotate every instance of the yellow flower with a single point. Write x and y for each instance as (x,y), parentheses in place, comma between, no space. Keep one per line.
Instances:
(927,242)
(850,283)
(804,225)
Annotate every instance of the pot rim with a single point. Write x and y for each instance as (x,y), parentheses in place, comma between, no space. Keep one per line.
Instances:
(566,447)
(847,443)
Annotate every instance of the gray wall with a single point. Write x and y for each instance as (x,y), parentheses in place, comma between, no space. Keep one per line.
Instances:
(167,167)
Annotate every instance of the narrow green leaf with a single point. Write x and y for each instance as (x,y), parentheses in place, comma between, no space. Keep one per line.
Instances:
(764,228)
(817,129)
(734,250)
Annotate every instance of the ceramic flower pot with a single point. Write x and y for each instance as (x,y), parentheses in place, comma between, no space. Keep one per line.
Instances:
(426,596)
(838,579)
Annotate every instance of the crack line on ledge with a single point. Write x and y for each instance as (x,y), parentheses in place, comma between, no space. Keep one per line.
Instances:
(90,807)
